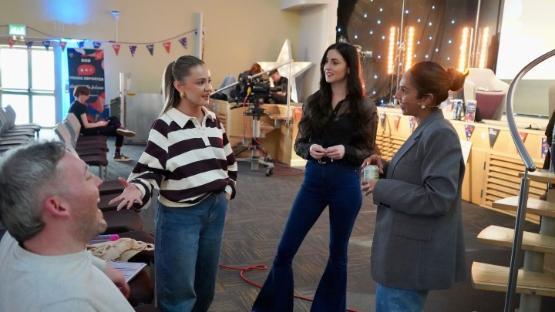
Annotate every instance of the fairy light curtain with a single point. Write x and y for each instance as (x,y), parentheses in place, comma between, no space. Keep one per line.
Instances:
(394,34)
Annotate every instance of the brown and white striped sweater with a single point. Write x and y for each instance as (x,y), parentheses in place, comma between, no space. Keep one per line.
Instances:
(186,159)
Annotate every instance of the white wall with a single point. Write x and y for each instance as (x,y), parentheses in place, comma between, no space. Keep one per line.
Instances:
(316,32)
(526,33)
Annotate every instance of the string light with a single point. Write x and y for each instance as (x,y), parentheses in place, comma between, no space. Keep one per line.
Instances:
(379,21)
(375,76)
(410,47)
(437,50)
(356,36)
(418,20)
(463,49)
(484,47)
(391,50)
(371,32)
(430,24)
(365,15)
(450,41)
(381,9)
(433,7)
(452,21)
(383,37)
(407,11)
(430,38)
(426,56)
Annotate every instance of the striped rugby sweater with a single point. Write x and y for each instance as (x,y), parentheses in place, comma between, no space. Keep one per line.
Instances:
(186,159)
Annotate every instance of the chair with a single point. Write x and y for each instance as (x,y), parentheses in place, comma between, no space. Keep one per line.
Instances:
(482,85)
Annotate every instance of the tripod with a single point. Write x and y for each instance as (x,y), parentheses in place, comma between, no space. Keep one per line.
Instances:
(254,146)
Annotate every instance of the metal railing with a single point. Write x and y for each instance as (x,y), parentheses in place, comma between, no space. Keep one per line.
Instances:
(525,183)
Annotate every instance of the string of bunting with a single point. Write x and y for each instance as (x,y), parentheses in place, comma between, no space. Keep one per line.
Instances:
(97,44)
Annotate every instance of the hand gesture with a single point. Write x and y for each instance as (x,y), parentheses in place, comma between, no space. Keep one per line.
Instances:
(317,151)
(335,152)
(130,195)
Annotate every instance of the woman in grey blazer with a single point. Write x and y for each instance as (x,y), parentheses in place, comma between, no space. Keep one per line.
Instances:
(418,239)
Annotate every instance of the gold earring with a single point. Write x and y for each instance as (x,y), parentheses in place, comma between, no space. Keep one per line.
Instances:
(182,94)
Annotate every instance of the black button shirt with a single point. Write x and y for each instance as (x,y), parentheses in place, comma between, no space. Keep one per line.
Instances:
(340,130)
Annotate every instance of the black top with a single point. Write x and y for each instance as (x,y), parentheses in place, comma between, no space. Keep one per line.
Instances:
(339,130)
(78,109)
(280,86)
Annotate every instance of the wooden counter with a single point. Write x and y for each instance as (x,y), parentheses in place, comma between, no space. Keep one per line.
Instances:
(492,172)
(278,129)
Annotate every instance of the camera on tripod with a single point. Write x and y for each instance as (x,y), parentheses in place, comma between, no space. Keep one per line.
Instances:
(253,91)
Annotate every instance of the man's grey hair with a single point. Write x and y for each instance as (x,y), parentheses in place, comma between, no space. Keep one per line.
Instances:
(24,172)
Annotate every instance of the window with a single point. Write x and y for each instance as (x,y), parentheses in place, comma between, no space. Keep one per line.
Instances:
(27,84)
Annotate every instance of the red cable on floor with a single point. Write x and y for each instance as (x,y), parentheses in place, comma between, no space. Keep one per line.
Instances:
(261,267)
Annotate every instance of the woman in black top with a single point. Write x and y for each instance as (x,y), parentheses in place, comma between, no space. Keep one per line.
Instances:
(337,131)
(111,127)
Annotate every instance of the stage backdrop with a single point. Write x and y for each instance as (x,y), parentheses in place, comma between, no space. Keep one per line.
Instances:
(86,68)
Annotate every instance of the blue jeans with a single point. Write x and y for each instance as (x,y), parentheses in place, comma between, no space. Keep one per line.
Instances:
(188,246)
(330,184)
(399,300)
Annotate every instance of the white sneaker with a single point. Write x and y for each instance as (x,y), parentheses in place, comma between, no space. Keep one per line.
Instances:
(122,158)
(125,132)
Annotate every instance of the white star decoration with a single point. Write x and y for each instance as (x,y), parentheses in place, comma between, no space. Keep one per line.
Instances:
(297,68)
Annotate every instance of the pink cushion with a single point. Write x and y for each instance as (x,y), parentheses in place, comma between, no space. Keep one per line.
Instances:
(489,103)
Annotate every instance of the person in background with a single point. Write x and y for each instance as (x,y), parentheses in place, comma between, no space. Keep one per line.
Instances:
(279,91)
(111,127)
(418,239)
(48,204)
(189,159)
(336,133)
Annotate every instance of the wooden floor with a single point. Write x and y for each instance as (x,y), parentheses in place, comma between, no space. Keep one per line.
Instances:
(254,224)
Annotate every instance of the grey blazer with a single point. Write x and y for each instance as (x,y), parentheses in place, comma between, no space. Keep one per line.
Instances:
(418,239)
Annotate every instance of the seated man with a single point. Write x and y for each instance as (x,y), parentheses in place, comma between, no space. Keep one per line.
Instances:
(48,204)
(279,91)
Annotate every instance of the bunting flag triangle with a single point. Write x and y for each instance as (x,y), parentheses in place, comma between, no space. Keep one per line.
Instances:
(396,120)
(133,49)
(97,44)
(116,47)
(11,42)
(81,44)
(545,147)
(412,123)
(167,45)
(29,44)
(183,42)
(523,136)
(46,44)
(63,45)
(468,130)
(493,133)
(150,48)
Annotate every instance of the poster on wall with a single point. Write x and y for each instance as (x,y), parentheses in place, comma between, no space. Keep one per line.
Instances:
(86,68)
